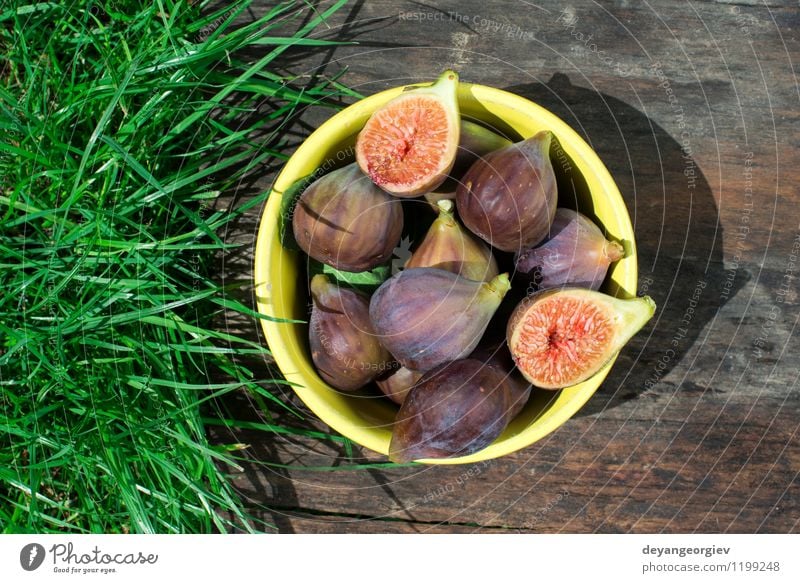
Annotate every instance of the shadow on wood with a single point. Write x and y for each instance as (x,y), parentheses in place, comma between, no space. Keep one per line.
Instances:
(678,234)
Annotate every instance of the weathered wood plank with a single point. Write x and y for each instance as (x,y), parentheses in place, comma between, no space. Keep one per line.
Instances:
(693,107)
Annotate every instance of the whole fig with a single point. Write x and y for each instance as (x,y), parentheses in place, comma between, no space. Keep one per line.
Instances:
(426,316)
(575,254)
(476,141)
(448,246)
(344,347)
(347,222)
(398,383)
(508,198)
(497,356)
(409,144)
(456,409)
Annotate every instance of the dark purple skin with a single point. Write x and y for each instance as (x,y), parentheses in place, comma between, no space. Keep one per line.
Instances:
(344,347)
(454,410)
(497,356)
(426,316)
(398,383)
(509,197)
(576,254)
(347,222)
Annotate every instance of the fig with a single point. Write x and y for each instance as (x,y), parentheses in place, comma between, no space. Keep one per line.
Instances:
(476,142)
(456,409)
(450,247)
(575,254)
(408,146)
(497,355)
(561,337)
(344,348)
(345,221)
(426,316)
(398,383)
(508,198)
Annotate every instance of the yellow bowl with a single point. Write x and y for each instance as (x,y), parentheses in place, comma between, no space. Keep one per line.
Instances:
(281,294)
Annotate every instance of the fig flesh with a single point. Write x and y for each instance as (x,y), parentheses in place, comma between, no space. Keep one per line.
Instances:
(408,146)
(426,316)
(398,383)
(450,247)
(344,347)
(508,198)
(456,409)
(561,337)
(347,222)
(575,254)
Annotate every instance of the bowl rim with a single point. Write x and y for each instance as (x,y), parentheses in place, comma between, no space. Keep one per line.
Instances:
(344,124)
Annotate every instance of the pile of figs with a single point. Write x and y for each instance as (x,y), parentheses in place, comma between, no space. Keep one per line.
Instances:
(437,337)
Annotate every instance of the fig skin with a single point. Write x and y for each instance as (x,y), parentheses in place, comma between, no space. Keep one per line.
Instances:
(508,198)
(398,383)
(344,347)
(345,221)
(497,356)
(426,316)
(450,247)
(576,254)
(456,409)
(561,337)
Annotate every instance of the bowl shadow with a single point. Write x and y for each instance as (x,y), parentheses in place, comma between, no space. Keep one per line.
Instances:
(677,228)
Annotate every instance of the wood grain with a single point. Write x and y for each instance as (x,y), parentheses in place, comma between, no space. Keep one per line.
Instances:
(693,106)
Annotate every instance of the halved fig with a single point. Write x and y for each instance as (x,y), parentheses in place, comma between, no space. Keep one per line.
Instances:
(409,145)
(561,337)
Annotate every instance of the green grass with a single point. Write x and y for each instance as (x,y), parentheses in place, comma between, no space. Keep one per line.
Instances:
(122,122)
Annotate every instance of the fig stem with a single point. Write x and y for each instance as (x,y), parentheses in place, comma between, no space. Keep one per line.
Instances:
(613,251)
(499,285)
(445,206)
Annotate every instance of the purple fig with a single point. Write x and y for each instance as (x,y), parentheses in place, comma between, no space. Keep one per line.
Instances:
(508,198)
(455,409)
(426,316)
(398,383)
(475,142)
(450,247)
(347,222)
(497,356)
(344,348)
(576,254)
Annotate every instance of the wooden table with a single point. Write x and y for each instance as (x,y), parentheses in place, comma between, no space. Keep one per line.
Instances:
(693,106)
